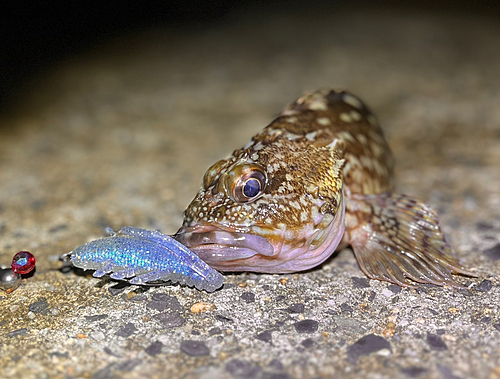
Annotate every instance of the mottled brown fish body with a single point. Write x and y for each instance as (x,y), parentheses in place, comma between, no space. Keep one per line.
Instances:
(283,202)
(324,116)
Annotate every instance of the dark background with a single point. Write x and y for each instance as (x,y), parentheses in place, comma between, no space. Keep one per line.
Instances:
(35,36)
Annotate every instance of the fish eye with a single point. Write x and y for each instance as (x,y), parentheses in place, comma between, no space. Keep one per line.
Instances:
(251,188)
(249,185)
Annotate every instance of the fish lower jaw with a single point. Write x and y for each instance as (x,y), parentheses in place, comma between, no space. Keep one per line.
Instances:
(288,257)
(236,251)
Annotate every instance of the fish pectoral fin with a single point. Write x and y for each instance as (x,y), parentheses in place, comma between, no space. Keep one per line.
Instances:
(399,238)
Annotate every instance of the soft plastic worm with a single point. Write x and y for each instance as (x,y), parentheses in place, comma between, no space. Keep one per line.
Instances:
(140,256)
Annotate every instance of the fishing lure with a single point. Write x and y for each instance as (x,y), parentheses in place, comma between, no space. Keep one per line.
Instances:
(141,256)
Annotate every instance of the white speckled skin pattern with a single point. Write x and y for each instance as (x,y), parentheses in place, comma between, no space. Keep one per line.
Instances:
(316,178)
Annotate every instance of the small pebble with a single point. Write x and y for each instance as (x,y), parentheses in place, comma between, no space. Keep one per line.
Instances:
(194,348)
(166,303)
(345,307)
(154,349)
(486,320)
(202,307)
(265,336)
(31,315)
(59,354)
(306,326)
(484,286)
(248,297)
(366,345)
(394,288)
(213,331)
(436,343)
(296,308)
(14,308)
(465,292)
(126,330)
(360,282)
(307,343)
(223,318)
(169,320)
(387,293)
(162,302)
(39,306)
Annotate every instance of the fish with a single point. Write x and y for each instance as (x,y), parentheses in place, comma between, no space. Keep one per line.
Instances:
(142,256)
(317,179)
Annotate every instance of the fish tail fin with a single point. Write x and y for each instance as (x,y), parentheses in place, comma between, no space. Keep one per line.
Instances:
(398,239)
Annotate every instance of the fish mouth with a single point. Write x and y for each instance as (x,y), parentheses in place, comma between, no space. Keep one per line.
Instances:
(219,246)
(263,248)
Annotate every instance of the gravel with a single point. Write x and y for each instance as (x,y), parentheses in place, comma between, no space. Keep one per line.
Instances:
(123,134)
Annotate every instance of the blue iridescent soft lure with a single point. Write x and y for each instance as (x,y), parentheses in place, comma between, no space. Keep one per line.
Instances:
(140,256)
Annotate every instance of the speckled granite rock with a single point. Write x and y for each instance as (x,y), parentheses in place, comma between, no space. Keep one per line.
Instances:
(123,135)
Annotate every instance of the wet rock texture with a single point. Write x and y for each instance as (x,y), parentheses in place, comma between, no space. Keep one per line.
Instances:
(122,136)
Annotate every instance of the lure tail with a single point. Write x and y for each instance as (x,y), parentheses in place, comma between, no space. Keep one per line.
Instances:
(396,238)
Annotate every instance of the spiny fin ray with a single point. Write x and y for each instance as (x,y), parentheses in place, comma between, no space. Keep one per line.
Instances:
(399,240)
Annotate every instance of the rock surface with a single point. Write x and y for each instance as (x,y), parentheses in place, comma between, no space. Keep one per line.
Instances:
(122,135)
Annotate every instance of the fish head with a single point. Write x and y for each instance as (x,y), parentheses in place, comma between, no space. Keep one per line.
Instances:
(274,206)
